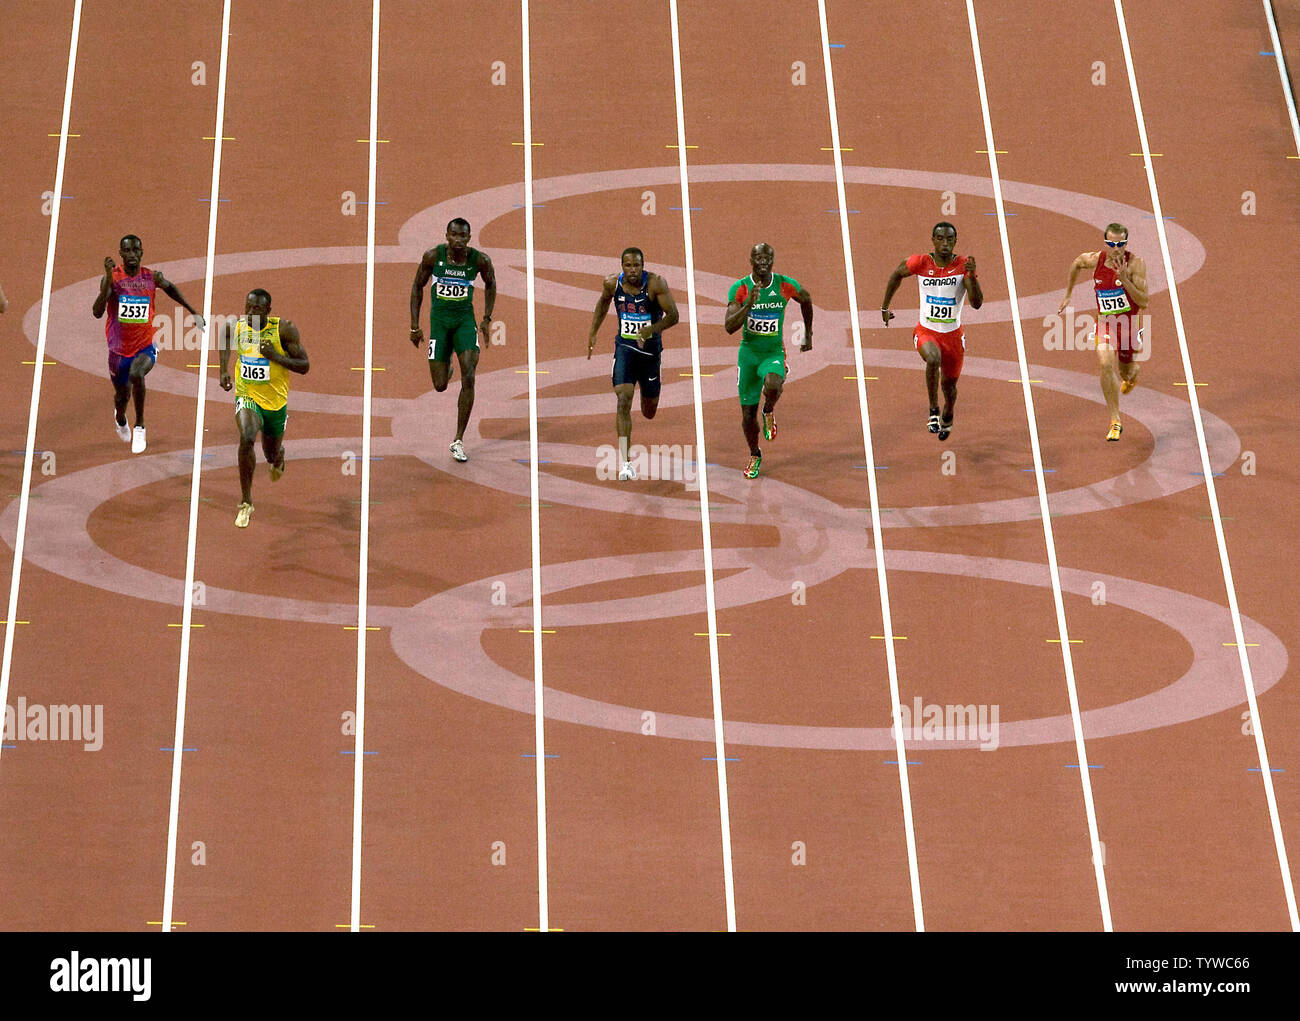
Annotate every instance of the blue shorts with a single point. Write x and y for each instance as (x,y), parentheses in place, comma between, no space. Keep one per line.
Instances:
(119,367)
(634,365)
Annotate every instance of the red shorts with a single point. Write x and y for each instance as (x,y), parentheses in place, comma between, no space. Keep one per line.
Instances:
(1122,334)
(952,348)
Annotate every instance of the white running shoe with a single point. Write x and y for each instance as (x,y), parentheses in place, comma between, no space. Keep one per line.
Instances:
(627,473)
(458,451)
(123,430)
(138,443)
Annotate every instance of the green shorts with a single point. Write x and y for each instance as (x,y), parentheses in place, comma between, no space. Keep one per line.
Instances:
(752,367)
(270,423)
(445,337)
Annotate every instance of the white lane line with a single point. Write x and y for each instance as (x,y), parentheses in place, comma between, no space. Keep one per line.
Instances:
(1281,71)
(877,538)
(539,716)
(701,458)
(1257,723)
(366,392)
(1085,774)
(12,617)
(187,613)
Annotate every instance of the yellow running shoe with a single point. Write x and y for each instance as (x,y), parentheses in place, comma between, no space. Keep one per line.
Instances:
(1127,385)
(277,469)
(245,512)
(755,462)
(769,426)
(1114,434)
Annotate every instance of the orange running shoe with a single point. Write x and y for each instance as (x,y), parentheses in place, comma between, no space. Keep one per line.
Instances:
(1114,434)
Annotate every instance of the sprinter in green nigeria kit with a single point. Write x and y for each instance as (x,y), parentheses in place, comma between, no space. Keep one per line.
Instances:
(757,303)
(453,268)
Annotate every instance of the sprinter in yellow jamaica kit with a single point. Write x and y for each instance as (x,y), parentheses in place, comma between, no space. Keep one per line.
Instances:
(269,348)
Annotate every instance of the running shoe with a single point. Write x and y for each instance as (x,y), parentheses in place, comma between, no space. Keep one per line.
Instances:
(1127,385)
(769,426)
(627,473)
(123,430)
(945,428)
(277,469)
(458,451)
(1114,434)
(138,443)
(755,462)
(932,423)
(245,512)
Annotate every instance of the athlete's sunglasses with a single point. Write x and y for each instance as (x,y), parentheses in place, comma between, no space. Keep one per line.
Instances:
(1116,244)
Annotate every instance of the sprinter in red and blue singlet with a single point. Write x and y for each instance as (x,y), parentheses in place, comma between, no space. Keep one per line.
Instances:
(645,308)
(127,292)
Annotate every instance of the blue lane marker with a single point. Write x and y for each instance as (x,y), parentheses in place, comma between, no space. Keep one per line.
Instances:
(894,762)
(714,758)
(1249,769)
(8,746)
(533,755)
(836,46)
(879,467)
(850,210)
(693,209)
(1075,765)
(1004,214)
(1151,216)
(536,205)
(524,460)
(1267,53)
(209,200)
(173,749)
(352,751)
(1201,475)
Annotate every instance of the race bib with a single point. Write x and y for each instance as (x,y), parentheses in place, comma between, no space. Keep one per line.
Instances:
(254,370)
(630,323)
(133,308)
(1112,301)
(763,326)
(940,309)
(452,290)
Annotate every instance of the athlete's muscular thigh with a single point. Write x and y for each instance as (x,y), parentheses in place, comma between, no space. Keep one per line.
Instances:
(439,373)
(248,425)
(271,447)
(468,365)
